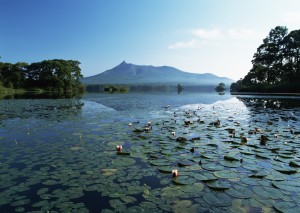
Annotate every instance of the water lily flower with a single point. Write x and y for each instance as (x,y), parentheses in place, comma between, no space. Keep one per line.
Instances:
(175,173)
(119,148)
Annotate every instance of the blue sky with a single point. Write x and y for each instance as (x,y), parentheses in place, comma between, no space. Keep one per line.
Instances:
(200,36)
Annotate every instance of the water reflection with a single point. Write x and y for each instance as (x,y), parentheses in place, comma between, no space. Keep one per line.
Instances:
(50,109)
(271,102)
(134,102)
(41,95)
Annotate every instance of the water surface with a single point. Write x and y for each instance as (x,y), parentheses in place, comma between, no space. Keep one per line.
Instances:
(60,154)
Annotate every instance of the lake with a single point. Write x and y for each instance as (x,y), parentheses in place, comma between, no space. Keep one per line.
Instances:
(232,153)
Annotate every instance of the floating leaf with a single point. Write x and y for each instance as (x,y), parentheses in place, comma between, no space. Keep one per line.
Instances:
(183,180)
(212,166)
(219,184)
(241,192)
(229,174)
(185,163)
(205,176)
(166,169)
(286,207)
(291,186)
(217,199)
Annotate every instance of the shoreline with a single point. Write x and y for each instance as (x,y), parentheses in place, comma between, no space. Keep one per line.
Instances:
(265,93)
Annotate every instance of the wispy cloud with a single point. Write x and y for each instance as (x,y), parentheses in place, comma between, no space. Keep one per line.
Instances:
(208,33)
(216,35)
(193,43)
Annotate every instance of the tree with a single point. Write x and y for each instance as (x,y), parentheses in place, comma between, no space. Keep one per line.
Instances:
(268,60)
(220,87)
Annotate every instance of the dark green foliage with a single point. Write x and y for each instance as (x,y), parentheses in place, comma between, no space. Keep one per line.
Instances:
(52,75)
(276,64)
(220,87)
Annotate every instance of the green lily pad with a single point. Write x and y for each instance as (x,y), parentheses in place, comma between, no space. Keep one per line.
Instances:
(212,166)
(217,199)
(185,163)
(229,174)
(218,184)
(239,191)
(286,207)
(166,169)
(259,190)
(123,161)
(284,169)
(205,176)
(252,167)
(274,175)
(160,162)
(183,180)
(231,164)
(250,181)
(291,186)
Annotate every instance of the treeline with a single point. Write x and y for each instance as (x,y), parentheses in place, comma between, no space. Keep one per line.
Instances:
(124,88)
(276,64)
(50,75)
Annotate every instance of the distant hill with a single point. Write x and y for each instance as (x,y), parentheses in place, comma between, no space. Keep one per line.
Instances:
(126,73)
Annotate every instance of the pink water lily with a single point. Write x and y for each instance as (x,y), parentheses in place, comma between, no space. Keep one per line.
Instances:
(119,148)
(175,173)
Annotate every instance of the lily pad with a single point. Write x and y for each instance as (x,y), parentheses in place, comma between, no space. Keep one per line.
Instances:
(291,186)
(123,161)
(212,166)
(183,180)
(239,191)
(218,184)
(217,199)
(286,207)
(185,163)
(205,176)
(166,169)
(229,174)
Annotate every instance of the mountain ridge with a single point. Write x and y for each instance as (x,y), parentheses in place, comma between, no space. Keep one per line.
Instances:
(127,73)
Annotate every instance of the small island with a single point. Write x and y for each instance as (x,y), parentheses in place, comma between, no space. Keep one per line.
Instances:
(220,87)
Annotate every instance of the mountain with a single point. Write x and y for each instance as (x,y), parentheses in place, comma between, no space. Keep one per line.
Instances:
(126,73)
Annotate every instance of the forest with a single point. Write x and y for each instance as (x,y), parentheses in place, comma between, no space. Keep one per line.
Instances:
(55,75)
(275,65)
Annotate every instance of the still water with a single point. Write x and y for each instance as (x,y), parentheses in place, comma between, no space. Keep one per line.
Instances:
(233,154)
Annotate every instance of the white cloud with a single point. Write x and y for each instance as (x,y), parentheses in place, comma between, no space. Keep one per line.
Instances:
(244,34)
(219,37)
(193,43)
(208,34)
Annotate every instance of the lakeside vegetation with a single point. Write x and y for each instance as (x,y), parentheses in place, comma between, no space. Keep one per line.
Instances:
(276,64)
(220,88)
(57,75)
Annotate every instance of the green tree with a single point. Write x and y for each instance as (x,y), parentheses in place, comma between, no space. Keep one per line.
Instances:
(268,60)
(220,87)
(292,57)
